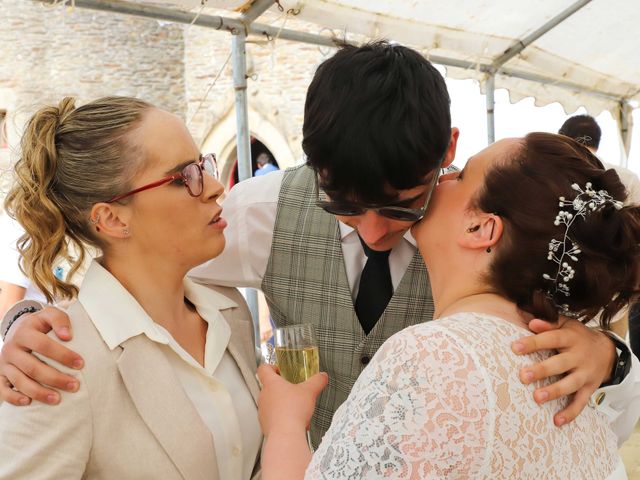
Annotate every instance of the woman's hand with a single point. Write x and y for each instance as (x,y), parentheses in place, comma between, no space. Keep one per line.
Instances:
(285,411)
(284,406)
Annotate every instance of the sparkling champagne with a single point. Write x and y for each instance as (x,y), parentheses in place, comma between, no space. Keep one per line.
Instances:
(298,364)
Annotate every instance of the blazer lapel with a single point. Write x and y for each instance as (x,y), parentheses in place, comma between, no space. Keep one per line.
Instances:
(245,358)
(166,409)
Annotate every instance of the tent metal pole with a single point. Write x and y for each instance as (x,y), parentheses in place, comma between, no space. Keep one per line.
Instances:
(258,7)
(243,146)
(233,25)
(490,87)
(532,77)
(520,45)
(625,122)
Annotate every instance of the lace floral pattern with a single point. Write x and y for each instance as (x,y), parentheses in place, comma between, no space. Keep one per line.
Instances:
(443,400)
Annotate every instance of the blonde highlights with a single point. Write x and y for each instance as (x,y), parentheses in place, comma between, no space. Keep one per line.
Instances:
(70,159)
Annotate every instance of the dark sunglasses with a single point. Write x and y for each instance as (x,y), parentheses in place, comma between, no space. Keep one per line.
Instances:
(349,209)
(190,176)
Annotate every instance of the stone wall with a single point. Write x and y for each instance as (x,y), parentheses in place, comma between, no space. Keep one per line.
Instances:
(48,53)
(51,52)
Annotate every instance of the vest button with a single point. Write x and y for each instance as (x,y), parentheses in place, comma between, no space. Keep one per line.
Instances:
(365,359)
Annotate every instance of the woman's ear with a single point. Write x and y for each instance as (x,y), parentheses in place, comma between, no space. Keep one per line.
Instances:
(483,232)
(110,220)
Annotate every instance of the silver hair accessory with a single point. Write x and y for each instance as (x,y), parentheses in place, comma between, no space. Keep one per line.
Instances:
(565,251)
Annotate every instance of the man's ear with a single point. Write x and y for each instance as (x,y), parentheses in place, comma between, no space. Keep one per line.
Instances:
(110,220)
(450,155)
(483,232)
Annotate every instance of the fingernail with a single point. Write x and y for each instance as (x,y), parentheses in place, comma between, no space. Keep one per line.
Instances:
(23,401)
(63,330)
(518,347)
(52,398)
(560,421)
(72,386)
(528,375)
(78,363)
(543,396)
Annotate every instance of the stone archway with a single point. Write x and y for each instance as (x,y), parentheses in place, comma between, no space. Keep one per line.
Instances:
(222,140)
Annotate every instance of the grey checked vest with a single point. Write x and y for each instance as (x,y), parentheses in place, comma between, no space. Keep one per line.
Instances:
(306,282)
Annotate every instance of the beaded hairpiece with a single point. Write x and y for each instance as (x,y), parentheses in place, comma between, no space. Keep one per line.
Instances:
(564,251)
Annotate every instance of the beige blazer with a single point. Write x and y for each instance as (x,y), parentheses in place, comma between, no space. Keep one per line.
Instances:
(130,419)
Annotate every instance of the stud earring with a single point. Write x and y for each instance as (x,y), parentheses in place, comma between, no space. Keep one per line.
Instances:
(94,221)
(125,232)
(473,229)
(491,236)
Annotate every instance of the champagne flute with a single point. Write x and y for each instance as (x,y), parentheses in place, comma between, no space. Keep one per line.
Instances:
(297,355)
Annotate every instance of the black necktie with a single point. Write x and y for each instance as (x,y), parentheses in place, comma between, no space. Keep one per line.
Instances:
(375,289)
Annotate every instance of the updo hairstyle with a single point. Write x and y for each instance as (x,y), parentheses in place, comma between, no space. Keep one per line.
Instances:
(524,191)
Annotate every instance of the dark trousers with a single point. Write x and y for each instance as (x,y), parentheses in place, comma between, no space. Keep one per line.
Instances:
(634,328)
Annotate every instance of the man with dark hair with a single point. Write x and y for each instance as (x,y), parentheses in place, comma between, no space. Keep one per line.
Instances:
(339,253)
(328,242)
(584,129)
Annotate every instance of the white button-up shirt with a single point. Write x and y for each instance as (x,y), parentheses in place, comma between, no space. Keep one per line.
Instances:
(217,389)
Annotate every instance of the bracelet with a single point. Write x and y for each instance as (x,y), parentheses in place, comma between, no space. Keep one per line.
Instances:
(24,311)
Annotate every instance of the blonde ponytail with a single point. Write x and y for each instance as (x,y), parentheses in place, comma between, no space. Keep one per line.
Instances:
(70,159)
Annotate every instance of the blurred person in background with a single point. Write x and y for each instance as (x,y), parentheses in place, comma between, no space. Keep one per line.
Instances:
(14,285)
(264,165)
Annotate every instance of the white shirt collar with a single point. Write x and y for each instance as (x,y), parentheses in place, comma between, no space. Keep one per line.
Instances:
(346,230)
(118,316)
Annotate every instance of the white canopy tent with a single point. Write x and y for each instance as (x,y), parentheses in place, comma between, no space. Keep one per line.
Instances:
(575,52)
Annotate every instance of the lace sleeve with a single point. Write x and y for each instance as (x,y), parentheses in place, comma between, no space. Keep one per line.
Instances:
(419,410)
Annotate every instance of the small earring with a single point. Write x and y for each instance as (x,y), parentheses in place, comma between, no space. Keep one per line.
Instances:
(473,229)
(94,221)
(125,232)
(491,237)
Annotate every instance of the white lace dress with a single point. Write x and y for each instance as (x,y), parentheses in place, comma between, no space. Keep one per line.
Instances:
(443,400)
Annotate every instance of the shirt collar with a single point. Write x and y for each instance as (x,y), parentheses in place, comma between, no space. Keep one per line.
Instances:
(118,316)
(346,230)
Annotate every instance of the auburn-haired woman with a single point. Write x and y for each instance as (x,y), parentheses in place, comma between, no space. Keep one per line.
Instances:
(531,228)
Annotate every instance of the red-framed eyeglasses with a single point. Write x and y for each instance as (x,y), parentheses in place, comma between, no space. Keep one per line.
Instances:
(191,177)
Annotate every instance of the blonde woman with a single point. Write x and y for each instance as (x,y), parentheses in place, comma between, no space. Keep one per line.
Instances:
(168,388)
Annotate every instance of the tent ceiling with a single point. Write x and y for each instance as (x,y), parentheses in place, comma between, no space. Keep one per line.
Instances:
(591,58)
(596,48)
